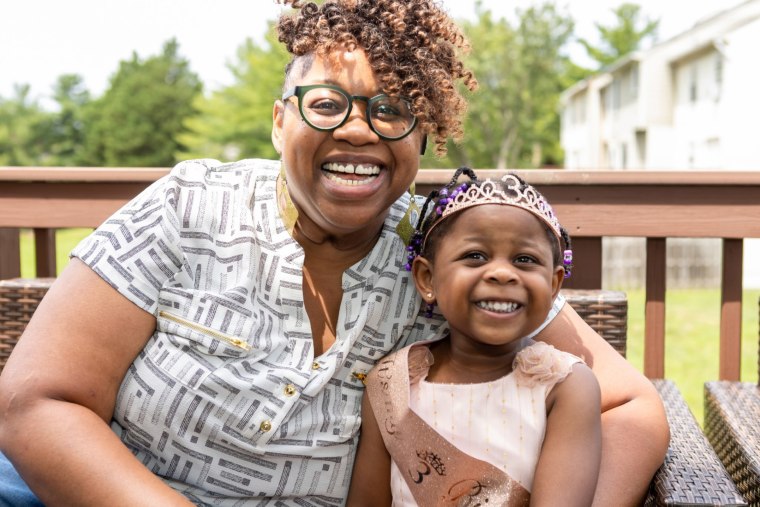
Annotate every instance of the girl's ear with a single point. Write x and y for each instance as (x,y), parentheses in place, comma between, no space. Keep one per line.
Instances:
(278,112)
(557,278)
(422,271)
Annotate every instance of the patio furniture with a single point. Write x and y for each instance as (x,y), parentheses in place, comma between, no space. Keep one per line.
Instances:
(732,424)
(19,298)
(691,474)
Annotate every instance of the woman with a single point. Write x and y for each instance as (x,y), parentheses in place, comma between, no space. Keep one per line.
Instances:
(207,343)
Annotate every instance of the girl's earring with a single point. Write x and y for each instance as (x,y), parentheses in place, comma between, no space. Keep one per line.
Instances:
(405,227)
(429,306)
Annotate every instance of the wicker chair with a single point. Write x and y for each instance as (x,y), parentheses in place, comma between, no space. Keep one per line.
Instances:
(19,299)
(691,474)
(732,424)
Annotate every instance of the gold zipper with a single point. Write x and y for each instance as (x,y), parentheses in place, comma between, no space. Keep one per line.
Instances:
(237,342)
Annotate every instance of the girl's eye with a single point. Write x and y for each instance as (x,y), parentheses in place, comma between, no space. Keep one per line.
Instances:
(525,259)
(477,256)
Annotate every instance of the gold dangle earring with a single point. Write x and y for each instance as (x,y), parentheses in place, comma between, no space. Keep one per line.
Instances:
(405,227)
(288,211)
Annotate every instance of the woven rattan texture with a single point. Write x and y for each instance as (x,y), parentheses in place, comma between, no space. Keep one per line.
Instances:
(692,474)
(18,299)
(606,311)
(732,424)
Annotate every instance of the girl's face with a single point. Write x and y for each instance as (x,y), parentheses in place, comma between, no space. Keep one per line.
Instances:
(494,277)
(332,196)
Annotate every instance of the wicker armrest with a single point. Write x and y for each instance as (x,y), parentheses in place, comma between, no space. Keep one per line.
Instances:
(732,415)
(691,474)
(606,311)
(19,298)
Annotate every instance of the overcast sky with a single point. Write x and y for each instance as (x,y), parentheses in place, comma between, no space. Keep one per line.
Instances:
(42,39)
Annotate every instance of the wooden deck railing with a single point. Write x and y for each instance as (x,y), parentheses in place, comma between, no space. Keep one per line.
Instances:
(655,205)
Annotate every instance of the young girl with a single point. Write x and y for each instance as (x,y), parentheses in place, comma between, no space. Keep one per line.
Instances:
(482,415)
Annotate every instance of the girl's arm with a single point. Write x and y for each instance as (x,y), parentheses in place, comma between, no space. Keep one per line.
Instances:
(568,467)
(371,480)
(635,432)
(57,396)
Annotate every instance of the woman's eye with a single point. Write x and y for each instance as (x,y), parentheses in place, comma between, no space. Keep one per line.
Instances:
(386,111)
(326,106)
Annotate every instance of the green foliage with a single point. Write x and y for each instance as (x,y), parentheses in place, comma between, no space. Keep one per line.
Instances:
(22,126)
(512,120)
(236,121)
(63,133)
(622,37)
(139,118)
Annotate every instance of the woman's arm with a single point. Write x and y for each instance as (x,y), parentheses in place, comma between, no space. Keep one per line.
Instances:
(635,432)
(568,468)
(371,479)
(57,396)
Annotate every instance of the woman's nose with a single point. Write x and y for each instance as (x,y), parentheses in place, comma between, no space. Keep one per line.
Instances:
(356,129)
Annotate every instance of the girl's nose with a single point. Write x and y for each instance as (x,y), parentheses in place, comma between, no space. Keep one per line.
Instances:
(501,272)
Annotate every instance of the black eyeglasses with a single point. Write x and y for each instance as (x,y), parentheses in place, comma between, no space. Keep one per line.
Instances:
(326,107)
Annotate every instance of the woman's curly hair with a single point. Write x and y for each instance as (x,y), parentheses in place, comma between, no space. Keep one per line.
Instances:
(413,46)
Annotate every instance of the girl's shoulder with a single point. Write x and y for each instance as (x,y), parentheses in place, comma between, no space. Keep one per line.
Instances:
(541,363)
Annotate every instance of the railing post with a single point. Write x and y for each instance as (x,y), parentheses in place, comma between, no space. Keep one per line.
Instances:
(731,311)
(654,310)
(587,264)
(10,256)
(44,246)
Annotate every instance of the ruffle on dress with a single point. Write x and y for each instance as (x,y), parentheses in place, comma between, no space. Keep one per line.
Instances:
(419,360)
(541,363)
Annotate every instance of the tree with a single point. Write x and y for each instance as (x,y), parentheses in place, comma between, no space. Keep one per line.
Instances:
(64,131)
(622,37)
(235,121)
(512,119)
(21,128)
(138,120)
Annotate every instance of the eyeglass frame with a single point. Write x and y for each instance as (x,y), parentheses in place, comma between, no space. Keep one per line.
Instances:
(299,91)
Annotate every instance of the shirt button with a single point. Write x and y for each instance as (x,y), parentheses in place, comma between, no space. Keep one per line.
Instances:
(315,365)
(266,425)
(290,390)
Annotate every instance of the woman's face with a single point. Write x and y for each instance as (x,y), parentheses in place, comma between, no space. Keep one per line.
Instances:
(342,182)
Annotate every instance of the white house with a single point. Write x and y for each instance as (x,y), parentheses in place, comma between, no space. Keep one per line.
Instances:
(690,102)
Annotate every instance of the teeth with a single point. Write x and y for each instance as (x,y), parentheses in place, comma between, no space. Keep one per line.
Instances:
(350,183)
(498,306)
(368,170)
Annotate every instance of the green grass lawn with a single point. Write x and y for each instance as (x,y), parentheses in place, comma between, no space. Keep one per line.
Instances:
(692,331)
(691,335)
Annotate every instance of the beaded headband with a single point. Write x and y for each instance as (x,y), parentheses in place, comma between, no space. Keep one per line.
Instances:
(511,192)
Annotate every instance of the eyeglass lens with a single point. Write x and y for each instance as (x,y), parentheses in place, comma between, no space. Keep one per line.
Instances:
(326,108)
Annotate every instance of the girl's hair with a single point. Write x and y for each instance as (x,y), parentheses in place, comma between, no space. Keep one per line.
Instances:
(412,45)
(435,220)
